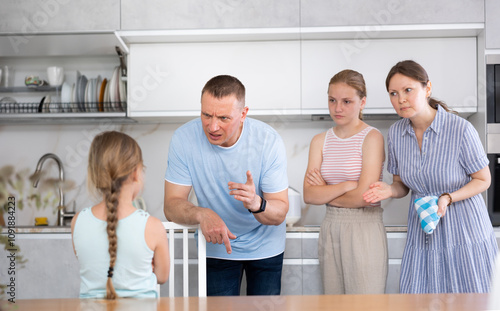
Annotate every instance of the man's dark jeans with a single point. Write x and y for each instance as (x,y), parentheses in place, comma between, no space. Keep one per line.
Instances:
(263,276)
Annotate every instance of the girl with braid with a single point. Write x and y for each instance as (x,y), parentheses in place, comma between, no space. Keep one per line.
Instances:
(122,251)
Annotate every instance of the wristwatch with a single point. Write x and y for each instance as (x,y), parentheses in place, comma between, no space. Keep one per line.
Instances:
(262,206)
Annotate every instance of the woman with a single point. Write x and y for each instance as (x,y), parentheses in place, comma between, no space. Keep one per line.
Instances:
(437,153)
(122,251)
(343,162)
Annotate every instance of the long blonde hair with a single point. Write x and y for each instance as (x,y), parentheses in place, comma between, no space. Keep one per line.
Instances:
(113,156)
(352,78)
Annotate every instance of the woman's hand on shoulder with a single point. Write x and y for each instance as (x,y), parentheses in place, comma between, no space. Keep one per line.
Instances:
(378,191)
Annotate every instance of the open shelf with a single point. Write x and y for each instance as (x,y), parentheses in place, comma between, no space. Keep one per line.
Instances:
(26,89)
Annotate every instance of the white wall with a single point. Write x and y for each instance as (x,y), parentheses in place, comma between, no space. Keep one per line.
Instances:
(23,145)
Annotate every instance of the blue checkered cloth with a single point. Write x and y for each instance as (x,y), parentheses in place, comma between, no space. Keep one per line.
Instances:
(426,208)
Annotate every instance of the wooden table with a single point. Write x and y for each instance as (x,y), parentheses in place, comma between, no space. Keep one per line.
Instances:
(430,302)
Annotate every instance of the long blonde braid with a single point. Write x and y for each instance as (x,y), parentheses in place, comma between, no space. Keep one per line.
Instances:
(111,200)
(113,156)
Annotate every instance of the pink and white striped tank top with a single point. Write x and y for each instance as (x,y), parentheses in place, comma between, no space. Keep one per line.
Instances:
(342,158)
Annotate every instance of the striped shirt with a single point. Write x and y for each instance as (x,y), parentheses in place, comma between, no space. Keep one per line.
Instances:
(342,157)
(459,255)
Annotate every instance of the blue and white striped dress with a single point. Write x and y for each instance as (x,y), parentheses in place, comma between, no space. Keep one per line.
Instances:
(459,255)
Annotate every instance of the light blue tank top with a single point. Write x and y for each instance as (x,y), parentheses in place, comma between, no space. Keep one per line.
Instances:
(133,273)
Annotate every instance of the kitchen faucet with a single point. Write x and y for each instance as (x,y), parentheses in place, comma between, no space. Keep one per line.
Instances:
(61,212)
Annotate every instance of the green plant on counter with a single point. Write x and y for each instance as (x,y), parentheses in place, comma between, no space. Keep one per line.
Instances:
(16,193)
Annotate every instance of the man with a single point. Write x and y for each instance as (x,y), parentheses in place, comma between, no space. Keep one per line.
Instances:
(237,167)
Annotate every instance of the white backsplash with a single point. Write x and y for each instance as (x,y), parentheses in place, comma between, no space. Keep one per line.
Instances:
(23,145)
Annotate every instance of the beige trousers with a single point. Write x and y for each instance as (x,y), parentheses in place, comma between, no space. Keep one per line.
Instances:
(353,251)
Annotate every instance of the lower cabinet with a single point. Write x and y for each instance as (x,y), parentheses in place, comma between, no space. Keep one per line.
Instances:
(50,270)
(301,271)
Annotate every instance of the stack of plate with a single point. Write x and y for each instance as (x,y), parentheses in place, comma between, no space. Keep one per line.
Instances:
(93,95)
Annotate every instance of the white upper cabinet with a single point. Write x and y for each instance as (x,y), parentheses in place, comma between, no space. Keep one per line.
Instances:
(167,79)
(449,62)
(201,14)
(36,17)
(492,24)
(317,13)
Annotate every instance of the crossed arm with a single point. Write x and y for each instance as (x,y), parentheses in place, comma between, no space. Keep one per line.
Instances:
(348,194)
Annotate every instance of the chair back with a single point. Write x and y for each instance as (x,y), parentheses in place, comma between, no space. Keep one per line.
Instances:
(171,228)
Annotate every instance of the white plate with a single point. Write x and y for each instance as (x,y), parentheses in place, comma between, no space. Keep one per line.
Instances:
(66,97)
(74,102)
(114,94)
(112,90)
(90,96)
(74,105)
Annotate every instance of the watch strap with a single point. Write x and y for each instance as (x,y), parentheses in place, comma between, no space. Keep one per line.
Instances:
(262,208)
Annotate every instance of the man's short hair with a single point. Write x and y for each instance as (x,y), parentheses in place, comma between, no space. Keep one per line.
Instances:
(225,85)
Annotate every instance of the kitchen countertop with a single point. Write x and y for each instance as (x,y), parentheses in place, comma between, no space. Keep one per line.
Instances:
(67,229)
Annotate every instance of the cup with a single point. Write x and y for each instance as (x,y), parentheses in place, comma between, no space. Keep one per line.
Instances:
(7,78)
(55,75)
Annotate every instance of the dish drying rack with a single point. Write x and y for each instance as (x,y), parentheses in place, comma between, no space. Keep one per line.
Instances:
(8,105)
(62,108)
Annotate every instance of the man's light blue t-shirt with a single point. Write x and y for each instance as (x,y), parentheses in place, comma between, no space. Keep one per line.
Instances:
(194,161)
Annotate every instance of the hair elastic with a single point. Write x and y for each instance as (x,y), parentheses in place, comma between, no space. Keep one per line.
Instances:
(110,272)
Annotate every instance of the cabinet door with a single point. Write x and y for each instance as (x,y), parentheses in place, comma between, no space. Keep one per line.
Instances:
(198,14)
(51,270)
(32,17)
(361,12)
(449,62)
(395,244)
(492,24)
(167,79)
